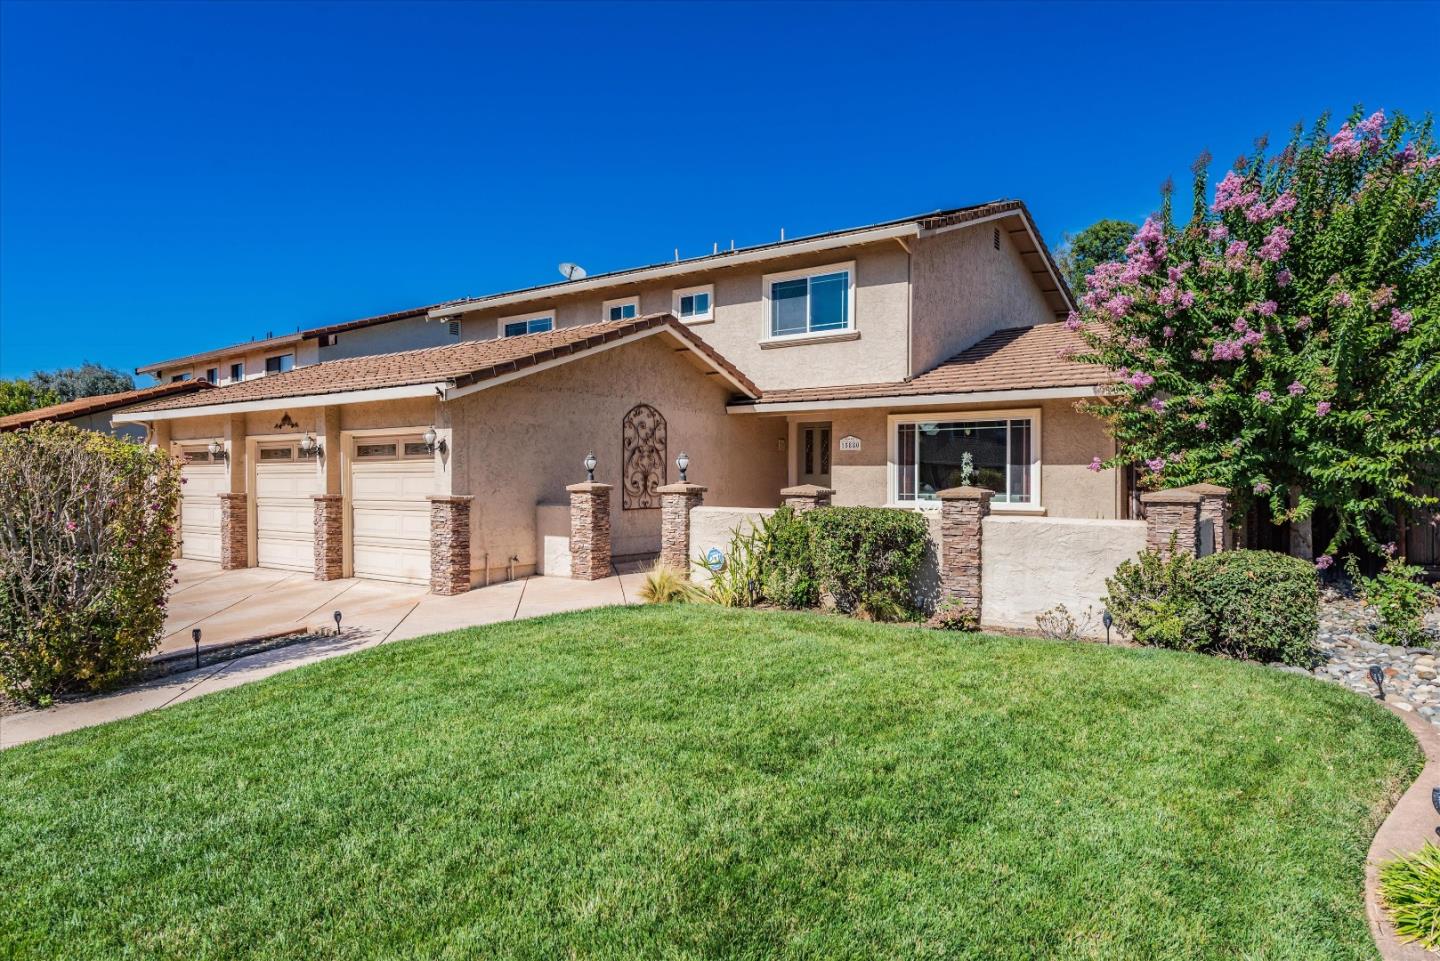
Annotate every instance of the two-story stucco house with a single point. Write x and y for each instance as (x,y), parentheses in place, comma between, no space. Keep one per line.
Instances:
(884,362)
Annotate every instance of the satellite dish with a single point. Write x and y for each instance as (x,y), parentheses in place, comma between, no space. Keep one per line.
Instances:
(571,271)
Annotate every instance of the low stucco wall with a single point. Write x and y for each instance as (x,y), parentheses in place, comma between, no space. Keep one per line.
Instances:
(713,527)
(1031,564)
(552,540)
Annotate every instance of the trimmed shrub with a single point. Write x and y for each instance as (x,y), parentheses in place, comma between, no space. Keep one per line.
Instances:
(1248,604)
(952,615)
(1410,889)
(787,569)
(87,531)
(1259,604)
(737,582)
(867,558)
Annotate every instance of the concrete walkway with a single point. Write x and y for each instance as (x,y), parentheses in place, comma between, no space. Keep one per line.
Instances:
(235,605)
(1410,824)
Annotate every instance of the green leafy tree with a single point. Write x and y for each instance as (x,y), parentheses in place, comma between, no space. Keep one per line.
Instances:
(1099,243)
(1285,341)
(17,396)
(87,380)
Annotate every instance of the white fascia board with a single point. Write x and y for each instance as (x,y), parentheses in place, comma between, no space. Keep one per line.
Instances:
(917,400)
(455,393)
(699,265)
(274,403)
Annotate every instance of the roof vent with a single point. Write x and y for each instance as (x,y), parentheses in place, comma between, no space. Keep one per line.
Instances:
(997,238)
(454,328)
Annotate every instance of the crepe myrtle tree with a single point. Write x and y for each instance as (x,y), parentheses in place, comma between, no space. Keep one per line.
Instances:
(1285,341)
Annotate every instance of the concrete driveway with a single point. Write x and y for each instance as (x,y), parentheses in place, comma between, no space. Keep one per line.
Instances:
(236,605)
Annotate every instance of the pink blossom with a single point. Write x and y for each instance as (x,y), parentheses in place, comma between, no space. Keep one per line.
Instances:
(1156,464)
(1323,562)
(1389,548)
(1252,337)
(1173,274)
(1167,332)
(1372,125)
(1229,350)
(1176,456)
(1277,242)
(1072,322)
(1384,296)
(1264,397)
(1235,254)
(1140,380)
(1261,487)
(1296,389)
(1219,232)
(1302,323)
(1118,305)
(1345,144)
(1157,405)
(1202,424)
(1342,298)
(1231,192)
(1267,309)
(1322,408)
(1240,325)
(1187,298)
(1197,354)
(1283,278)
(1095,464)
(1400,320)
(70,525)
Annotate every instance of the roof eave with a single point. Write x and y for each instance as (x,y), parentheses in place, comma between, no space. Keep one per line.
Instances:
(1008,395)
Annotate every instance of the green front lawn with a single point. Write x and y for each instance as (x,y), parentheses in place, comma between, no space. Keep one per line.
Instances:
(691,782)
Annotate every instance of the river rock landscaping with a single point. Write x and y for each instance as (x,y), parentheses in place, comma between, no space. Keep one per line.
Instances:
(1348,650)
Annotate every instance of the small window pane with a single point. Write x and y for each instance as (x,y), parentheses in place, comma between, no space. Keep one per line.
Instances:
(906,457)
(213,375)
(375,450)
(787,306)
(197,456)
(237,371)
(304,454)
(413,449)
(515,329)
(830,302)
(687,305)
(702,304)
(1019,461)
(622,312)
(540,325)
(275,453)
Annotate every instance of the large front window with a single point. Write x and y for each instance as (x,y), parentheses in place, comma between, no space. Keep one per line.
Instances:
(998,453)
(818,301)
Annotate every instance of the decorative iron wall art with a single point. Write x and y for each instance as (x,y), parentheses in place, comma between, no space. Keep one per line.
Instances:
(643,436)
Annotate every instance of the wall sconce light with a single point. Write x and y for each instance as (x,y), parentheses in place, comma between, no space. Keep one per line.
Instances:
(590,463)
(683,462)
(432,444)
(309,445)
(217,450)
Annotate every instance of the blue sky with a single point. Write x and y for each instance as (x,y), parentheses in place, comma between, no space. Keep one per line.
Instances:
(181,176)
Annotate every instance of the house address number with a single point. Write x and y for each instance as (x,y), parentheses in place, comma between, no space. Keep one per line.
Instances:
(850,442)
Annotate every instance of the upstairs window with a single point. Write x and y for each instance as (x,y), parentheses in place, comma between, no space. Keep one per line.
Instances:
(518,326)
(998,452)
(176,378)
(279,364)
(627,309)
(819,300)
(695,304)
(237,372)
(212,374)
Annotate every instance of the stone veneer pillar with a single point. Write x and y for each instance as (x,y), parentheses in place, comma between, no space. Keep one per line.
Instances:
(589,531)
(329,537)
(676,502)
(1172,513)
(962,515)
(1215,509)
(449,543)
(234,532)
(806,497)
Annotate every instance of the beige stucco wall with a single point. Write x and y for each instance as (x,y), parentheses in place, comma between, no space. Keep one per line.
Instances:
(306,352)
(1068,441)
(410,333)
(965,289)
(1031,564)
(519,444)
(713,527)
(882,305)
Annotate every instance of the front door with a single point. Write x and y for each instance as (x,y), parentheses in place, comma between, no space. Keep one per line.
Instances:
(814,454)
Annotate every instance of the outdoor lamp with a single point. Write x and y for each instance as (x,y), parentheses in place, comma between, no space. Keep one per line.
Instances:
(1378,676)
(431,443)
(337,623)
(309,444)
(217,449)
(1435,798)
(1107,620)
(683,462)
(590,463)
(195,636)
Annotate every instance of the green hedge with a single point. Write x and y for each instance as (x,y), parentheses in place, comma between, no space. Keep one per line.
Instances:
(1249,604)
(868,558)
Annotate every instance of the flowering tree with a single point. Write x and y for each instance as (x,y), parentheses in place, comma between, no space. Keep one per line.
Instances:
(1285,342)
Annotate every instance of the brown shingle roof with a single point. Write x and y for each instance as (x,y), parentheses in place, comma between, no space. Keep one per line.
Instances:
(99,403)
(1018,358)
(459,364)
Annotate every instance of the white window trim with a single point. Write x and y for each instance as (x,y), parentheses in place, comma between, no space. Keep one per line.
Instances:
(704,318)
(230,370)
(618,302)
(844,333)
(892,442)
(516,318)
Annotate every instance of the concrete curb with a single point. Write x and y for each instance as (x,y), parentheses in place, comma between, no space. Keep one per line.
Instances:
(1410,824)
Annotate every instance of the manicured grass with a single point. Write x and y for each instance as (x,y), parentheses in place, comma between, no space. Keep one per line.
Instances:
(690,782)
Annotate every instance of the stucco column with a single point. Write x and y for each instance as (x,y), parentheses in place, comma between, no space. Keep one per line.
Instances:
(806,497)
(962,515)
(676,502)
(589,531)
(1214,511)
(449,543)
(234,531)
(1172,513)
(329,537)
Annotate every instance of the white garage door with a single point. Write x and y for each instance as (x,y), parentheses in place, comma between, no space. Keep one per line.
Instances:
(286,482)
(200,504)
(390,477)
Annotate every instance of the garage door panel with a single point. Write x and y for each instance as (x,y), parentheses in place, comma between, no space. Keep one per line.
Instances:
(382,521)
(385,485)
(282,518)
(285,512)
(390,517)
(200,510)
(392,564)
